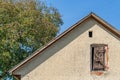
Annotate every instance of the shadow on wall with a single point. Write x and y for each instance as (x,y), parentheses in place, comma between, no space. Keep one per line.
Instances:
(51,50)
(55,47)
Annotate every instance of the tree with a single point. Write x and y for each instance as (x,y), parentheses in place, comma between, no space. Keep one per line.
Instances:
(25,26)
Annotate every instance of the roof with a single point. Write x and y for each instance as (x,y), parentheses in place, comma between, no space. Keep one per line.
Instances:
(37,52)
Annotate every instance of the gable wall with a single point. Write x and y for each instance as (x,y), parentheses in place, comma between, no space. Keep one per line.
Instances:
(69,58)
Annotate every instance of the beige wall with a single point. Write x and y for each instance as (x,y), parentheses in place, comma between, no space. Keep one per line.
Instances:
(69,58)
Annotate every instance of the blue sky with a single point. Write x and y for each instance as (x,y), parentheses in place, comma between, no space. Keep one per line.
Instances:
(74,10)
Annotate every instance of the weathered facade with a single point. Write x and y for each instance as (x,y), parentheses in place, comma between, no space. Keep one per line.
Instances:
(89,50)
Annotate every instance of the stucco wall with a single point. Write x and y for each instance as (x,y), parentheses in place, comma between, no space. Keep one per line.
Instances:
(69,58)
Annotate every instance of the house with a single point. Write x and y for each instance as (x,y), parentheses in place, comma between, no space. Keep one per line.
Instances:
(88,50)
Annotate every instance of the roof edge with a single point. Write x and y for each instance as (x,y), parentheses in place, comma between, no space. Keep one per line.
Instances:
(38,51)
(106,24)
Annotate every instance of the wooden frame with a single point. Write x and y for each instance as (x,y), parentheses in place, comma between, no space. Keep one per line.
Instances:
(98,57)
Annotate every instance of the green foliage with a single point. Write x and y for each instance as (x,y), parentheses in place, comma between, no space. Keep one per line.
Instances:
(25,26)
